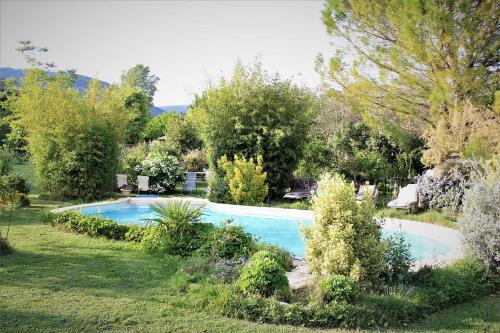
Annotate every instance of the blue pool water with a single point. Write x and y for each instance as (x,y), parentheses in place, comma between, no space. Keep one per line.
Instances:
(284,232)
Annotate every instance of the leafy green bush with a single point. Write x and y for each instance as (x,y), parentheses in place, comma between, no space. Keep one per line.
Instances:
(254,113)
(264,275)
(20,186)
(7,161)
(73,138)
(93,226)
(337,288)
(344,238)
(447,286)
(131,159)
(5,247)
(136,233)
(398,258)
(230,241)
(245,178)
(283,257)
(218,190)
(479,221)
(194,160)
(177,229)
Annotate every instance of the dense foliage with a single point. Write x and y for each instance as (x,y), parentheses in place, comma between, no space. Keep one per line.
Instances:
(245,179)
(344,238)
(73,138)
(255,114)
(337,288)
(413,60)
(448,186)
(443,287)
(398,259)
(264,275)
(230,242)
(479,220)
(194,160)
(164,172)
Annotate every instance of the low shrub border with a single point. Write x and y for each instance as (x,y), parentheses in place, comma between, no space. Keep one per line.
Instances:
(93,226)
(442,287)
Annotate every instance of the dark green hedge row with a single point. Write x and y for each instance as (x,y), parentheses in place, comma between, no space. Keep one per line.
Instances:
(442,287)
(93,226)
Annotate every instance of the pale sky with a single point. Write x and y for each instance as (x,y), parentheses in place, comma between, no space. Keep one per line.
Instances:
(185,43)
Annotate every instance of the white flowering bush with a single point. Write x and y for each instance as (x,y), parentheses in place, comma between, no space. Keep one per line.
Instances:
(479,221)
(164,172)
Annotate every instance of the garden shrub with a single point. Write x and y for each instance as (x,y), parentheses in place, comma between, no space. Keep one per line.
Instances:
(344,238)
(194,160)
(245,178)
(282,256)
(73,138)
(479,220)
(136,233)
(448,188)
(337,288)
(177,229)
(263,275)
(131,159)
(230,241)
(228,270)
(465,280)
(254,113)
(398,258)
(218,190)
(20,187)
(7,161)
(5,247)
(164,172)
(93,226)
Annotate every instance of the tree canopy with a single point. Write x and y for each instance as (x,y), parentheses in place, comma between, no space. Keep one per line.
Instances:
(139,77)
(254,114)
(409,62)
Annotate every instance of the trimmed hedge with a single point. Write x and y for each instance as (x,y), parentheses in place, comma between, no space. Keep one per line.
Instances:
(93,226)
(465,280)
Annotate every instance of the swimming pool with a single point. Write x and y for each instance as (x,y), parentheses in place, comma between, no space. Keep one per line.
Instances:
(271,225)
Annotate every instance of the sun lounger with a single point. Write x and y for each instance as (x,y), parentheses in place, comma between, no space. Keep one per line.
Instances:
(121,181)
(302,188)
(367,190)
(142,183)
(190,183)
(407,198)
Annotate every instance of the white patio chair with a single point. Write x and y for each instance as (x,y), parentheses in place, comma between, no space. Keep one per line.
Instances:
(142,183)
(190,183)
(407,198)
(121,180)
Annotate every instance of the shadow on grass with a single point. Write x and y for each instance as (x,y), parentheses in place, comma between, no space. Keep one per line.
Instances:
(114,271)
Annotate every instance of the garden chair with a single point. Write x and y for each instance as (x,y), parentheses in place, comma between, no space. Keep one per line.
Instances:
(364,190)
(143,184)
(190,183)
(121,180)
(302,188)
(407,198)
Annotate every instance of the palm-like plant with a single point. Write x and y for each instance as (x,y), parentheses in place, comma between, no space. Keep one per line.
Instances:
(175,225)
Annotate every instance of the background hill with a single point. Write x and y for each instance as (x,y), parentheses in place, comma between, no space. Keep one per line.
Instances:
(82,83)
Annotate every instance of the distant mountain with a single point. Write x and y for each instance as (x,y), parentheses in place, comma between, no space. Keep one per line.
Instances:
(81,84)
(174,108)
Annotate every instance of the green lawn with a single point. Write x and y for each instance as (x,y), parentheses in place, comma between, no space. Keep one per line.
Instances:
(58,281)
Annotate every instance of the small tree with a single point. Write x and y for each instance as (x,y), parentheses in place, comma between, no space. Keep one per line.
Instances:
(345,238)
(245,178)
(479,221)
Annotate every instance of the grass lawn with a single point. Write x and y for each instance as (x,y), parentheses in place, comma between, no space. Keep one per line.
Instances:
(57,281)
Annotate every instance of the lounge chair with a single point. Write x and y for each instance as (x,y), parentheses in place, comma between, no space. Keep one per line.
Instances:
(121,180)
(407,198)
(364,190)
(302,188)
(142,184)
(190,183)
